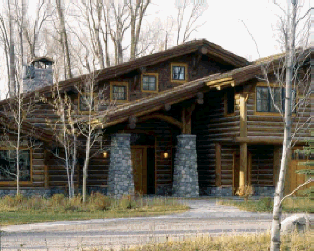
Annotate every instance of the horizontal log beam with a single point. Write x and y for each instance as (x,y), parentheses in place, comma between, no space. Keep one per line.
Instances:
(217,81)
(263,140)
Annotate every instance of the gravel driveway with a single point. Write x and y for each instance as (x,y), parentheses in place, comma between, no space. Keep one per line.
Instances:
(205,217)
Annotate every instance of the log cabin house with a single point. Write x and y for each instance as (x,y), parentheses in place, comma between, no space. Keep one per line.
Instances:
(188,121)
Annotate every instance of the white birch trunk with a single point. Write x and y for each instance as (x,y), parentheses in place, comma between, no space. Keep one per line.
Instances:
(290,52)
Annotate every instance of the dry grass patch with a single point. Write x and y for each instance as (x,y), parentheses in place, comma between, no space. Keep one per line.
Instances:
(20,209)
(248,242)
(290,205)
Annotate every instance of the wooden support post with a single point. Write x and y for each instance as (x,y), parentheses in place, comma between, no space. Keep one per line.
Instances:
(183,120)
(187,119)
(46,173)
(132,122)
(243,116)
(243,165)
(276,164)
(243,146)
(218,164)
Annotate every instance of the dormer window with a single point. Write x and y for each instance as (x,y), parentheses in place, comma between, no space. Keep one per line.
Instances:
(150,82)
(119,91)
(178,72)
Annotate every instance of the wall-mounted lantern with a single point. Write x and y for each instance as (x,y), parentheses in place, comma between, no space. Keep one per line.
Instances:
(165,155)
(105,154)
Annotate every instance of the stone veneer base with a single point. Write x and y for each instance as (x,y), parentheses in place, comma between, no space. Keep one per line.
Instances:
(185,175)
(120,177)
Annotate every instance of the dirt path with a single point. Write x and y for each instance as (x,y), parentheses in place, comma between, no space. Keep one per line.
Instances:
(205,217)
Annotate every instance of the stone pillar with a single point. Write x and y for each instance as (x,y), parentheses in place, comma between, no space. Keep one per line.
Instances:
(185,176)
(120,178)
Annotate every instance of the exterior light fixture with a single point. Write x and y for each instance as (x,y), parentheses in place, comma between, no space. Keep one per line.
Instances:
(105,154)
(166,155)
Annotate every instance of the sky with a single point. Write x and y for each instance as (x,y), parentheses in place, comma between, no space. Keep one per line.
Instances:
(232,24)
(226,22)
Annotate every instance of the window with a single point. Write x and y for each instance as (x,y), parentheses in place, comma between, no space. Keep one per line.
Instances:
(178,72)
(8,165)
(119,91)
(84,100)
(229,101)
(264,102)
(150,82)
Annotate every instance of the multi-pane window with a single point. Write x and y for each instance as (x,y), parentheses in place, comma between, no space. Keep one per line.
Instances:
(265,102)
(119,92)
(149,83)
(178,72)
(8,166)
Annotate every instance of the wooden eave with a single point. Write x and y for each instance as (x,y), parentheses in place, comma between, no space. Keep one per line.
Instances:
(27,128)
(180,93)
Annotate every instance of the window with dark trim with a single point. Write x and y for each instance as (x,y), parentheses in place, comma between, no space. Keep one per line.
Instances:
(149,83)
(230,101)
(178,72)
(265,103)
(8,165)
(119,92)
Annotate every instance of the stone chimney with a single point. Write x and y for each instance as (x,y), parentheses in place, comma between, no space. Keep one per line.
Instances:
(37,74)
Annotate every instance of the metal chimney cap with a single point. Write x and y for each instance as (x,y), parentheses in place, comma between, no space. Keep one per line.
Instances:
(45,60)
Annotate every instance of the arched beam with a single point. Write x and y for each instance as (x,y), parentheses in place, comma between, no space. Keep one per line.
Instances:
(166,118)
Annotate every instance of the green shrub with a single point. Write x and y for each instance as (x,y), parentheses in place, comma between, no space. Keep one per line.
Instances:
(34,203)
(126,202)
(58,200)
(8,201)
(98,201)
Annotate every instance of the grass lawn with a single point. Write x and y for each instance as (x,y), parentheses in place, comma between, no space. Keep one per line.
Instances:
(290,205)
(21,210)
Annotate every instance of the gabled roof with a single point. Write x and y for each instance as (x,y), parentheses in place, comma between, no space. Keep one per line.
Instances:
(205,47)
(189,90)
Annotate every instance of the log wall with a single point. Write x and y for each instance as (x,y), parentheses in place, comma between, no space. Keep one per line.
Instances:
(271,124)
(211,126)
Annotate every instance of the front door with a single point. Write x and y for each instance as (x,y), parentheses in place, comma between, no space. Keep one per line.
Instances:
(139,164)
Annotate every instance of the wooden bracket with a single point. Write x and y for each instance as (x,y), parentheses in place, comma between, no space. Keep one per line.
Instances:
(132,122)
(200,98)
(187,119)
(167,107)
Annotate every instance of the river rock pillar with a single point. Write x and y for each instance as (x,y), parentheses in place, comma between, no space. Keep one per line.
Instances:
(120,177)
(185,176)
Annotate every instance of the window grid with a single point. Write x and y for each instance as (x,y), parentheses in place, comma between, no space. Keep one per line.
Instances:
(149,83)
(264,102)
(8,165)
(119,92)
(178,72)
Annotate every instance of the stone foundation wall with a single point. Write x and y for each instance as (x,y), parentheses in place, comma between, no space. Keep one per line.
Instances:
(264,191)
(217,191)
(26,192)
(185,176)
(120,178)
